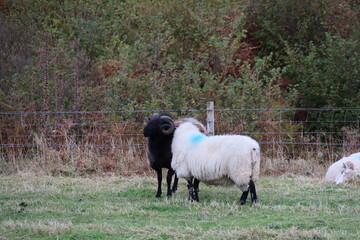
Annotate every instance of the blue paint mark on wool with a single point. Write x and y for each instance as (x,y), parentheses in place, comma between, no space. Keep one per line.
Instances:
(197,137)
(357,157)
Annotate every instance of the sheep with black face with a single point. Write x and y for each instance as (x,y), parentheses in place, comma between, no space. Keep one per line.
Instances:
(216,160)
(160,130)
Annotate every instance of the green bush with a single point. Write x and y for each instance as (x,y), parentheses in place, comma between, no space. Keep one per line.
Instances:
(127,55)
(327,75)
(279,25)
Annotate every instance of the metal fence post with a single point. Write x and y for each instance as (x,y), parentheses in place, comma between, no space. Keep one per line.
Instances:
(210,118)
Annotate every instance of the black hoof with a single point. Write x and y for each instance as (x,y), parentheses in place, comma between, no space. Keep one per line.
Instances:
(196,197)
(242,202)
(158,195)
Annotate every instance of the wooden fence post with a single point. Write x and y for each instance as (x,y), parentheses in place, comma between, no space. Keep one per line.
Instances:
(210,118)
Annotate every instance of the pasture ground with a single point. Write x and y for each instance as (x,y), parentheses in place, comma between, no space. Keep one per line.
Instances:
(114,207)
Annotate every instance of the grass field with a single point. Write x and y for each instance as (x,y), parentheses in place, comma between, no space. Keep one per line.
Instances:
(290,207)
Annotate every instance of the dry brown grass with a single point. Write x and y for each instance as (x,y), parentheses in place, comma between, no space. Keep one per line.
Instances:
(94,143)
(72,160)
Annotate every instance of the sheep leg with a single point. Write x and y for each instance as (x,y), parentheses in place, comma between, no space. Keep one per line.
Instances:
(190,189)
(174,188)
(159,178)
(196,189)
(252,192)
(244,197)
(168,181)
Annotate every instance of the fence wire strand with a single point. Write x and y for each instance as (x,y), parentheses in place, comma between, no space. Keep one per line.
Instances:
(303,128)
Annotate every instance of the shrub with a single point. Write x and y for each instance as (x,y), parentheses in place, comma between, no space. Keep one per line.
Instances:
(327,75)
(277,25)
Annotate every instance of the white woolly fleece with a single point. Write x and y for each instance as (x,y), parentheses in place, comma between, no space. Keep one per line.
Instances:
(222,160)
(335,169)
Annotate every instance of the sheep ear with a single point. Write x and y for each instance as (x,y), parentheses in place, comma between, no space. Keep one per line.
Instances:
(344,166)
(349,165)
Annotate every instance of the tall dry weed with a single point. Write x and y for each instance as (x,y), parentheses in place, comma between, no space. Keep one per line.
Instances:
(74,146)
(97,143)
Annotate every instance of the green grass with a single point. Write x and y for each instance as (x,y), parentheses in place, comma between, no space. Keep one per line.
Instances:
(290,207)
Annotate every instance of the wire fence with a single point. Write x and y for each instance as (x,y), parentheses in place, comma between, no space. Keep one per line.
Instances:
(282,132)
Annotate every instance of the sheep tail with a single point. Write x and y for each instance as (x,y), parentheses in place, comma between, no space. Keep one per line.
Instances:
(255,161)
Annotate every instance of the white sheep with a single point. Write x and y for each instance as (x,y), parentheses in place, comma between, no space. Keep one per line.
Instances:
(216,160)
(344,169)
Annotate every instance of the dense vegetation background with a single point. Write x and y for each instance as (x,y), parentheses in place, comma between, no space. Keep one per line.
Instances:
(168,54)
(65,55)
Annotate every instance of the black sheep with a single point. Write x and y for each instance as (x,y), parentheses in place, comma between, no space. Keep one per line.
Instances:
(160,132)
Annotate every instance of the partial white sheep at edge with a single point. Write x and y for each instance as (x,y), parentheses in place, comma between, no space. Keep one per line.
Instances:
(344,169)
(216,160)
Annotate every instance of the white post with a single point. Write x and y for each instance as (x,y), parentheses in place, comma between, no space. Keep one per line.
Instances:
(210,118)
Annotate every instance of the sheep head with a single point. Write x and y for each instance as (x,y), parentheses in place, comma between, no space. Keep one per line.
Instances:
(347,172)
(159,124)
